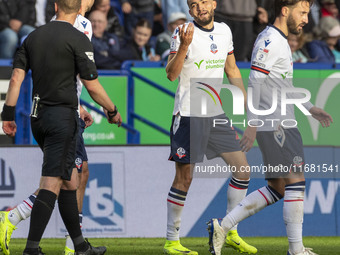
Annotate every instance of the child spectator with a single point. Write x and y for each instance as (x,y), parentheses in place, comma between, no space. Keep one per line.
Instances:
(138,48)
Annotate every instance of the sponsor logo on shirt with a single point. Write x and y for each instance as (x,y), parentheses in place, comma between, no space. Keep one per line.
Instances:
(267,42)
(84,24)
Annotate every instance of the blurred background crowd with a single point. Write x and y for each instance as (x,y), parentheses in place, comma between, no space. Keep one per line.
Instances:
(142,29)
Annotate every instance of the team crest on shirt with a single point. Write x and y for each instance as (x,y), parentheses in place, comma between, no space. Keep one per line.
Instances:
(180,153)
(79,163)
(298,161)
(213,48)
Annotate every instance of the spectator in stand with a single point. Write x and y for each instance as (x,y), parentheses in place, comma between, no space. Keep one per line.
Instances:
(113,24)
(238,15)
(138,48)
(329,8)
(171,6)
(313,18)
(297,46)
(328,33)
(14,19)
(134,10)
(44,11)
(264,16)
(164,39)
(157,27)
(105,45)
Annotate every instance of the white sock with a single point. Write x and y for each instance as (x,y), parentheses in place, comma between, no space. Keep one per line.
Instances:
(22,211)
(250,205)
(69,243)
(175,204)
(237,190)
(293,215)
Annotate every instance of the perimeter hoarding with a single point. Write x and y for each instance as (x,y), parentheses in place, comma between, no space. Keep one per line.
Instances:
(128,186)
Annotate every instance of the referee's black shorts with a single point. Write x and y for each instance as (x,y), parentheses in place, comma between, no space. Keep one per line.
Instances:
(55,130)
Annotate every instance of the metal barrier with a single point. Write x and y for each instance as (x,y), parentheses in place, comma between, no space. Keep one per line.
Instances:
(24,135)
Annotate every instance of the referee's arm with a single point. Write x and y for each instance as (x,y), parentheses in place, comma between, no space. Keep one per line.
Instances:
(18,76)
(99,95)
(8,123)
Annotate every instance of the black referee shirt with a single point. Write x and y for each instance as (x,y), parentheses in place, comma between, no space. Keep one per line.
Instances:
(56,53)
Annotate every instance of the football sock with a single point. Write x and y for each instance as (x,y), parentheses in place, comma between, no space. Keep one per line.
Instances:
(237,190)
(69,242)
(68,209)
(22,211)
(293,215)
(41,213)
(250,205)
(80,219)
(175,204)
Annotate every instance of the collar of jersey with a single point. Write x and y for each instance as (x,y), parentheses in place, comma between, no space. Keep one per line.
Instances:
(278,31)
(202,28)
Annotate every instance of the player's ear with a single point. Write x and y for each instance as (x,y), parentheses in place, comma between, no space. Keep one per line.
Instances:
(190,12)
(214,3)
(285,11)
(55,7)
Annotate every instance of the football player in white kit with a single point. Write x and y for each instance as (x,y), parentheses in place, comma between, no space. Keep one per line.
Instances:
(10,219)
(279,141)
(202,49)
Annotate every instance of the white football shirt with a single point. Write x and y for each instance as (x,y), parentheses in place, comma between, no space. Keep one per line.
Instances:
(205,59)
(271,70)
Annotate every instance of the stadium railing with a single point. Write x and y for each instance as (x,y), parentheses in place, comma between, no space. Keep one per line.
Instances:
(24,135)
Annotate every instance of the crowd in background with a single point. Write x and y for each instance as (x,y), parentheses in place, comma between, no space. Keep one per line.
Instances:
(141,29)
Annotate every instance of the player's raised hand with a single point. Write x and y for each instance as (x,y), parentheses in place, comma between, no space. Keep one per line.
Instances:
(9,128)
(323,117)
(186,35)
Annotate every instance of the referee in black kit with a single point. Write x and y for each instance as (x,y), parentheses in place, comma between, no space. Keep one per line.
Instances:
(56,53)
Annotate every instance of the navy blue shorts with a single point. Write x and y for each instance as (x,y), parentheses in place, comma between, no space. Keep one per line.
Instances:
(282,151)
(194,137)
(81,154)
(55,130)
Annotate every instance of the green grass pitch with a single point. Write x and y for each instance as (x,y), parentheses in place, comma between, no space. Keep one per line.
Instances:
(151,246)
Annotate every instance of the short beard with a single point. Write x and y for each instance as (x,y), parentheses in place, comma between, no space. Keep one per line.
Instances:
(292,26)
(206,22)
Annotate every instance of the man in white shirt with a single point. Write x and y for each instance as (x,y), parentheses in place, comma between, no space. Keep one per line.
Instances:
(279,140)
(202,50)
